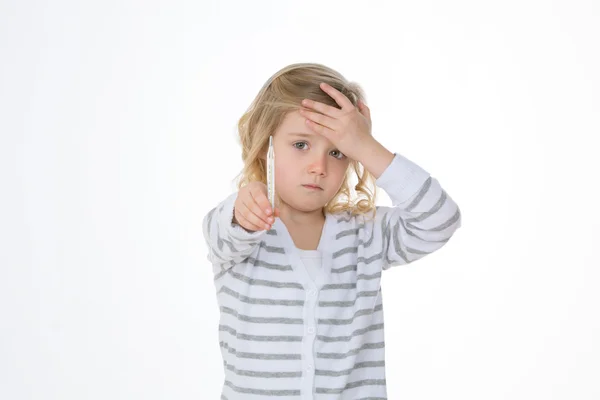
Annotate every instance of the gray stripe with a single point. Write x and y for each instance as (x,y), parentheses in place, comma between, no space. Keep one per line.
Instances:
(232,248)
(366,346)
(370,241)
(262,320)
(339,321)
(220,274)
(259,356)
(272,249)
(372,398)
(411,233)
(347,268)
(442,226)
(252,300)
(257,338)
(344,219)
(357,332)
(263,392)
(243,240)
(354,249)
(263,374)
(365,293)
(258,263)
(351,249)
(348,232)
(422,192)
(208,239)
(368,277)
(333,286)
(397,246)
(261,282)
(370,259)
(366,364)
(439,204)
(352,385)
(209,222)
(436,207)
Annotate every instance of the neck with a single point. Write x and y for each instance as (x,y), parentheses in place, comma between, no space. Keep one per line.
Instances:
(302,218)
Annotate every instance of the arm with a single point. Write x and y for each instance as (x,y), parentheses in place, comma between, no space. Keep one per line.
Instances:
(228,243)
(423,216)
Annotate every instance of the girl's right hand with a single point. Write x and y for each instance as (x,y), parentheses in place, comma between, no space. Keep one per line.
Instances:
(252,209)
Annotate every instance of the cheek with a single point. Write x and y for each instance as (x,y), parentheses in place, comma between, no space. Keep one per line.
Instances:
(282,172)
(340,173)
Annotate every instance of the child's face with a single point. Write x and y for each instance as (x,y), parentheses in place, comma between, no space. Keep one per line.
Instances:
(301,160)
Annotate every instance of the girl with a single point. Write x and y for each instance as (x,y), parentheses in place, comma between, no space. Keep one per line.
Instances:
(301,307)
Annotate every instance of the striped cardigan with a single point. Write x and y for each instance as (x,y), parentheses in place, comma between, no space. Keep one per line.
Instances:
(283,335)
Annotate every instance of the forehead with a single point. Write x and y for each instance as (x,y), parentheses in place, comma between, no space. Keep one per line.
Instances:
(293,125)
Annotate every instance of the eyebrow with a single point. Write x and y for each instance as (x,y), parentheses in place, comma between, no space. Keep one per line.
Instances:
(300,134)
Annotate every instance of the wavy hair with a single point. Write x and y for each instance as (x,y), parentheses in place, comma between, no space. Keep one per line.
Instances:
(283,93)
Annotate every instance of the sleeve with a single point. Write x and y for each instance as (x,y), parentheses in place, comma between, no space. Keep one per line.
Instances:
(228,243)
(423,216)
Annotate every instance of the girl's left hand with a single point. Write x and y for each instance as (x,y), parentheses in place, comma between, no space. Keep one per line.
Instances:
(348,129)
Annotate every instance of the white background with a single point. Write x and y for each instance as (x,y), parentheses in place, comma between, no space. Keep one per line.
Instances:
(118,134)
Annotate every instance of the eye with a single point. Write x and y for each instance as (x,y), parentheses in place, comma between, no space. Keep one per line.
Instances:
(298,143)
(340,157)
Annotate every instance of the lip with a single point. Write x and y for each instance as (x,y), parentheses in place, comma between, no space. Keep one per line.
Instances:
(313,187)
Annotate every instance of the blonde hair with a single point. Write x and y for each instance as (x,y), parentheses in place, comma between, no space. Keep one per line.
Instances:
(283,93)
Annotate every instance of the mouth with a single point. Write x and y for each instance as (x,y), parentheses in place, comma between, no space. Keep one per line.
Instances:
(313,187)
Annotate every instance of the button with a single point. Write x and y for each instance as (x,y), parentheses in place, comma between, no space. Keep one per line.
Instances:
(309,367)
(312,292)
(311,329)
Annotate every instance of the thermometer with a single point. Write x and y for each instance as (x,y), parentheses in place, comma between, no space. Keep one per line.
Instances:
(271,174)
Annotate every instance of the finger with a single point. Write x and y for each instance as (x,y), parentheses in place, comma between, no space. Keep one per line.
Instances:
(320,129)
(261,206)
(250,213)
(322,108)
(364,110)
(241,215)
(275,215)
(337,96)
(244,222)
(318,118)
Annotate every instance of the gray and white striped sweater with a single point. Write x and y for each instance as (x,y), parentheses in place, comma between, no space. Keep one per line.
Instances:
(285,335)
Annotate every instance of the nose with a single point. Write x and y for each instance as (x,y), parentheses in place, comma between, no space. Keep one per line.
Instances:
(318,164)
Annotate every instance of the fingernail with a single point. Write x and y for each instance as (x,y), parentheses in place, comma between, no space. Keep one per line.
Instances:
(268,211)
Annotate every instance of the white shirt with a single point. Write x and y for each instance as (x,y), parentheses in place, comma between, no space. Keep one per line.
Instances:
(311,259)
(296,326)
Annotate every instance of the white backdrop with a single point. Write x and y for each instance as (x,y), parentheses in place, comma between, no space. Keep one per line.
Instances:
(117,124)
